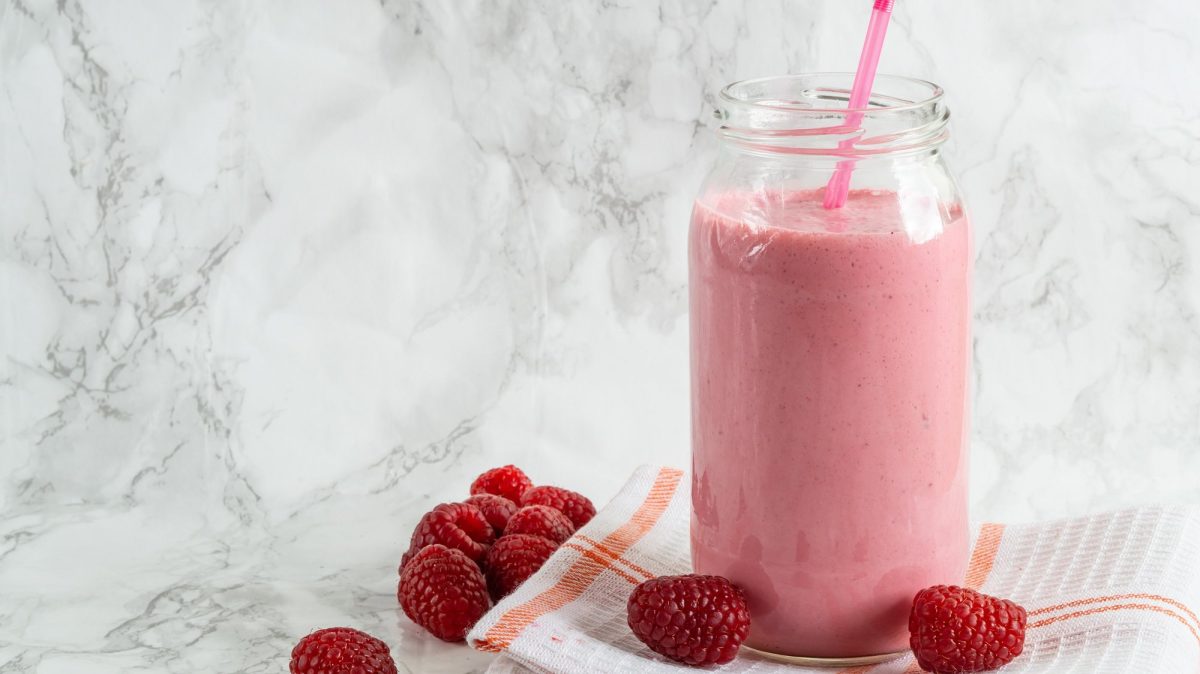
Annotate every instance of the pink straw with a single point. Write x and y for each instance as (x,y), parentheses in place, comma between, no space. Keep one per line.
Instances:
(860,97)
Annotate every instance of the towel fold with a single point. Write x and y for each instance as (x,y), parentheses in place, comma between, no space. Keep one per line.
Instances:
(1115,593)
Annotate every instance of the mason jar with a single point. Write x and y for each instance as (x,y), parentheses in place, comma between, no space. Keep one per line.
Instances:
(829,363)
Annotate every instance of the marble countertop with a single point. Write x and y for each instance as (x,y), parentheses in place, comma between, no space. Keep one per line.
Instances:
(122,589)
(277,277)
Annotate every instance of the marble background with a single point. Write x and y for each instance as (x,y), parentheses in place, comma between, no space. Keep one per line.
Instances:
(277,276)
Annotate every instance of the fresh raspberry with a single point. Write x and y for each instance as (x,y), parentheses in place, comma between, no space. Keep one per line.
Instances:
(577,507)
(341,650)
(507,481)
(540,520)
(454,525)
(953,629)
(443,591)
(496,509)
(698,620)
(513,559)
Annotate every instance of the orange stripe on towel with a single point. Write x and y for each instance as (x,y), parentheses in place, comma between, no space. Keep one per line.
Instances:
(984,556)
(594,556)
(1118,597)
(1117,607)
(584,570)
(615,557)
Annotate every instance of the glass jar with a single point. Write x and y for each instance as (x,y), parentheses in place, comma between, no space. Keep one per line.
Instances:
(830,359)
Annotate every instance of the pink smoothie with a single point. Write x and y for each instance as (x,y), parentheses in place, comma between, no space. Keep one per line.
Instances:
(829,417)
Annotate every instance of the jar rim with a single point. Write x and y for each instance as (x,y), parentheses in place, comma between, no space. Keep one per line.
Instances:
(806,114)
(737,94)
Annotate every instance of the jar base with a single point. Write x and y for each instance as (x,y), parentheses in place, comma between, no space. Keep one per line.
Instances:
(827,662)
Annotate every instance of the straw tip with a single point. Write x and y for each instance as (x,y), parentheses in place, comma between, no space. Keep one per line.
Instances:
(884,5)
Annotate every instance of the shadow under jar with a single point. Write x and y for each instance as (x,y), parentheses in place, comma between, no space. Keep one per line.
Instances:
(829,364)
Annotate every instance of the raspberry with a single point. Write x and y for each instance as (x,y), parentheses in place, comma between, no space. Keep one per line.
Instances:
(540,520)
(341,650)
(507,481)
(455,525)
(574,505)
(953,629)
(513,559)
(443,591)
(496,509)
(698,620)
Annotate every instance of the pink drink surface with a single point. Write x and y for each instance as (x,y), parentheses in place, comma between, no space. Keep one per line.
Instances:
(829,413)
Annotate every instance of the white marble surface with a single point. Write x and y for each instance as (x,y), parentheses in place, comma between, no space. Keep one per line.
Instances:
(275,277)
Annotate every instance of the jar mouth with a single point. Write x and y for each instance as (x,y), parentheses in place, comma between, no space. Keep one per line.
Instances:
(829,92)
(807,114)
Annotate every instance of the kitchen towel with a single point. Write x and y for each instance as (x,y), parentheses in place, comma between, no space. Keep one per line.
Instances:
(1115,593)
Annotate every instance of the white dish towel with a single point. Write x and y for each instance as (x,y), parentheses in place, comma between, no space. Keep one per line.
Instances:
(1115,593)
